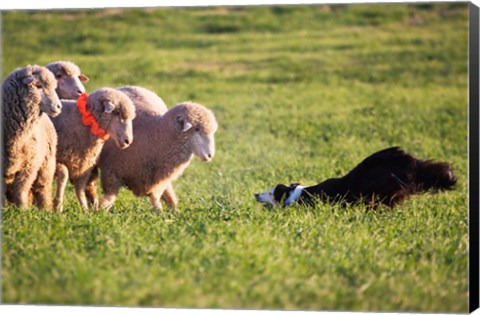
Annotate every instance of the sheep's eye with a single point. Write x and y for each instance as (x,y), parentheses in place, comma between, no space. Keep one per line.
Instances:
(197,129)
(58,76)
(38,85)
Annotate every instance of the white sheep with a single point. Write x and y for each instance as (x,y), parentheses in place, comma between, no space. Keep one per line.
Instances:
(146,103)
(29,137)
(164,146)
(79,145)
(69,79)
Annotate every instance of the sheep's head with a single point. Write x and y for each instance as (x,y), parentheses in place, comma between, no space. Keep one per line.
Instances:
(114,112)
(69,78)
(41,85)
(198,125)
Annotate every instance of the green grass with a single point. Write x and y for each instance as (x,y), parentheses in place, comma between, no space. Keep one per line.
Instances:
(301,93)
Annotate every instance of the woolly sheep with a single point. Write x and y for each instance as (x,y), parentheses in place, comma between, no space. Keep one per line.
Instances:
(146,103)
(29,137)
(69,79)
(164,146)
(78,148)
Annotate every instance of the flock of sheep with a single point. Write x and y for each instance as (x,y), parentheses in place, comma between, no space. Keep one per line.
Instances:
(53,130)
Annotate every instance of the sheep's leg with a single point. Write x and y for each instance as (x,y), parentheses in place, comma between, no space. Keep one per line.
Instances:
(155,199)
(108,200)
(110,192)
(20,188)
(42,186)
(91,189)
(62,178)
(82,199)
(8,192)
(80,185)
(20,199)
(170,197)
(110,186)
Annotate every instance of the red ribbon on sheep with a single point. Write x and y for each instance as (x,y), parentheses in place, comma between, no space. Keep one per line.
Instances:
(88,119)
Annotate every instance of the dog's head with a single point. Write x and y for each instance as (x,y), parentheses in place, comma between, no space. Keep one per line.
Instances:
(280,194)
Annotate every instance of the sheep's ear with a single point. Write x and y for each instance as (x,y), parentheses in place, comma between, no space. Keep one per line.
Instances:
(109,107)
(184,124)
(83,77)
(28,80)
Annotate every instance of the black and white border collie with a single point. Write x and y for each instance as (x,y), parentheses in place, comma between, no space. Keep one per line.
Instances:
(386,177)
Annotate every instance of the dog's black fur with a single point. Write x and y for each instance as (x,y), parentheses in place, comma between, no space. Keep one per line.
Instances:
(386,177)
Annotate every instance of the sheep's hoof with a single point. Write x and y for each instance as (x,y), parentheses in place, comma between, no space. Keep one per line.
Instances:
(94,206)
(104,206)
(58,207)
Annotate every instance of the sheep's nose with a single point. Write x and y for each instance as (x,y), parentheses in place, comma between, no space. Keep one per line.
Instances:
(79,92)
(208,157)
(58,106)
(126,142)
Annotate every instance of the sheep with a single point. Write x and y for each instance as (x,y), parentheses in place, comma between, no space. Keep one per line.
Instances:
(69,79)
(146,103)
(79,145)
(163,148)
(29,138)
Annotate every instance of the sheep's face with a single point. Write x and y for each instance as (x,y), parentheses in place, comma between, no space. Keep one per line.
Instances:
(70,87)
(203,145)
(120,127)
(114,112)
(69,79)
(201,141)
(42,84)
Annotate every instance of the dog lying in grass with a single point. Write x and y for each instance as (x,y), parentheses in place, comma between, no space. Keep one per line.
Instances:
(386,177)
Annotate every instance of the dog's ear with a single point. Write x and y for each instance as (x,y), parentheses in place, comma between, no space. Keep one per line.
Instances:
(280,192)
(290,190)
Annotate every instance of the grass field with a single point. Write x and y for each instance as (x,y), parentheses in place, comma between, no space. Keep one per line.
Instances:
(301,93)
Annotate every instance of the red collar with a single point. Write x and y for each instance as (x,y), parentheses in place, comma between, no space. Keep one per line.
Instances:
(88,119)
